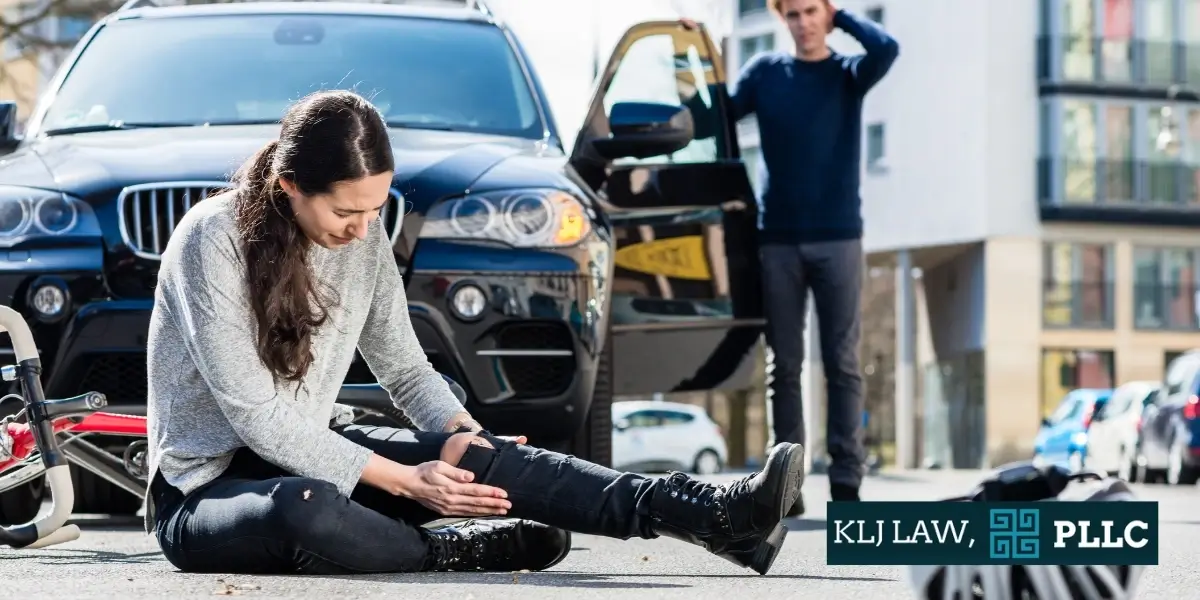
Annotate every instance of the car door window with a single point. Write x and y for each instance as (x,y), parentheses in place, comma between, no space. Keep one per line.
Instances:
(675,418)
(643,419)
(1150,398)
(1069,408)
(1178,375)
(669,68)
(1116,406)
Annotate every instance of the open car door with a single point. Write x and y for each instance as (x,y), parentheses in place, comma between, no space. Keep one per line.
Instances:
(659,147)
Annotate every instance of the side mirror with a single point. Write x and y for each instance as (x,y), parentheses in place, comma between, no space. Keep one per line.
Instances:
(620,425)
(1045,422)
(646,129)
(8,127)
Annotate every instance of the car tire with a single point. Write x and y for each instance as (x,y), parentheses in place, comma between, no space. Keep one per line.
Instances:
(21,504)
(1179,473)
(593,441)
(707,463)
(97,495)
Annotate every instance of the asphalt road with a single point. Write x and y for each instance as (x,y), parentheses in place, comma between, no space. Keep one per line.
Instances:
(115,560)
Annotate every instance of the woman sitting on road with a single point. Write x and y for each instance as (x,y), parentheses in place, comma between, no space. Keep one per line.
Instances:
(263,295)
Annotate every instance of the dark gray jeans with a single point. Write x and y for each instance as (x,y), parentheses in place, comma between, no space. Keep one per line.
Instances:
(833,271)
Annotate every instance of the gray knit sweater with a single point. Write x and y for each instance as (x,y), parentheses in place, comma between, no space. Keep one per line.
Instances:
(210,394)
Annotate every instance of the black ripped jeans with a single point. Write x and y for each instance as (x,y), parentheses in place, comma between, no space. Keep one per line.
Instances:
(259,518)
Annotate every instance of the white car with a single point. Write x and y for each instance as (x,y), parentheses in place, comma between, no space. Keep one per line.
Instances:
(1112,436)
(655,437)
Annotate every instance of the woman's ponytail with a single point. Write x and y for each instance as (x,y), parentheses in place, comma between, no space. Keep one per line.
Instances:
(280,283)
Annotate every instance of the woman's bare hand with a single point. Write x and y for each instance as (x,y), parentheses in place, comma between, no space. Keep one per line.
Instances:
(448,490)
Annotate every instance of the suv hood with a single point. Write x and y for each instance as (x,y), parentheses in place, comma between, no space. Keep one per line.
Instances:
(92,166)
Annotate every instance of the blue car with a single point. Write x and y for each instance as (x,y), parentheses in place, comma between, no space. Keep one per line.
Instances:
(1063,436)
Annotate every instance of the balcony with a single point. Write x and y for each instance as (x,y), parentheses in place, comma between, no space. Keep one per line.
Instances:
(1164,306)
(1146,192)
(1126,67)
(1077,304)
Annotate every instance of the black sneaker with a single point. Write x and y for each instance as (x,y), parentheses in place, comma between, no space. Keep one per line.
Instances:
(497,545)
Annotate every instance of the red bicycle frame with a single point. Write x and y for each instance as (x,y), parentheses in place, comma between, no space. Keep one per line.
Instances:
(24,444)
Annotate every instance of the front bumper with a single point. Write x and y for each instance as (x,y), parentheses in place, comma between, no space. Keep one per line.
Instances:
(528,362)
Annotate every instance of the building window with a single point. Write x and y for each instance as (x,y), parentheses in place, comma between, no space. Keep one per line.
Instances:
(747,7)
(1077,287)
(1166,284)
(875,13)
(1158,18)
(876,146)
(1116,41)
(1109,153)
(1121,41)
(750,46)
(1064,370)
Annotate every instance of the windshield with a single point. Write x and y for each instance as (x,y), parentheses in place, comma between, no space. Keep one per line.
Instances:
(248,68)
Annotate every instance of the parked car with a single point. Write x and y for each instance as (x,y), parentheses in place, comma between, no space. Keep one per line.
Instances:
(1063,437)
(1170,447)
(655,437)
(1114,434)
(513,247)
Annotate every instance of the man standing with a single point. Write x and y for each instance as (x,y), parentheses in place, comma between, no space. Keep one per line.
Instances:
(809,111)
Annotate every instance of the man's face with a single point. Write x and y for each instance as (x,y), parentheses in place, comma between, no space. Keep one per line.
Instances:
(808,21)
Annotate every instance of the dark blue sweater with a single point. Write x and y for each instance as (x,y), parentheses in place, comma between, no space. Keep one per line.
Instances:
(810,126)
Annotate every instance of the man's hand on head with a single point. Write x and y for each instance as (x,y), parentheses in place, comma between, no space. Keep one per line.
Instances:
(832,11)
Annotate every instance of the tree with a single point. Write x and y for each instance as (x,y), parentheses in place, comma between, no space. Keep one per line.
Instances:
(40,33)
(37,35)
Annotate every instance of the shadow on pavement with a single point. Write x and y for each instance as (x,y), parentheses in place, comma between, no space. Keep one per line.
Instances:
(563,579)
(716,576)
(74,556)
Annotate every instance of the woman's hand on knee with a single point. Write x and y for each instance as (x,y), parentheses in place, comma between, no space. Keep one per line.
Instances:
(448,490)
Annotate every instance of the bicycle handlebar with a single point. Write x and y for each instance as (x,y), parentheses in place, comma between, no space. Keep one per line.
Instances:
(49,529)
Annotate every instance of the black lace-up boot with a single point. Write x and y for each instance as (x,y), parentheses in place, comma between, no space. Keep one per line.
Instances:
(738,521)
(496,545)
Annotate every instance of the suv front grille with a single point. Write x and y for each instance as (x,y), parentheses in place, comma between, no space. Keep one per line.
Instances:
(151,211)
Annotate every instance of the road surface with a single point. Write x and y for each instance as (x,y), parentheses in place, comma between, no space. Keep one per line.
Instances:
(115,560)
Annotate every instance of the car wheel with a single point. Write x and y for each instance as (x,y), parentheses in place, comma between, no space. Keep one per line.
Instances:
(21,504)
(707,463)
(593,441)
(97,495)
(1179,473)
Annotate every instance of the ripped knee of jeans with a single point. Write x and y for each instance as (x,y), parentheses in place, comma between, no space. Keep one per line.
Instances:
(457,446)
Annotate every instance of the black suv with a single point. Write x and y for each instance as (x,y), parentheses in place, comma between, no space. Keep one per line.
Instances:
(543,280)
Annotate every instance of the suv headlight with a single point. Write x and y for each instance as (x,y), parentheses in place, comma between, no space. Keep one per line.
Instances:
(27,213)
(529,218)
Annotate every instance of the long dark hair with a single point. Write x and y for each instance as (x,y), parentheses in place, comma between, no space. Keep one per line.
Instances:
(327,137)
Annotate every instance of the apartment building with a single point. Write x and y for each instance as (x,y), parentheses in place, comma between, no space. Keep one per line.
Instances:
(1036,167)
